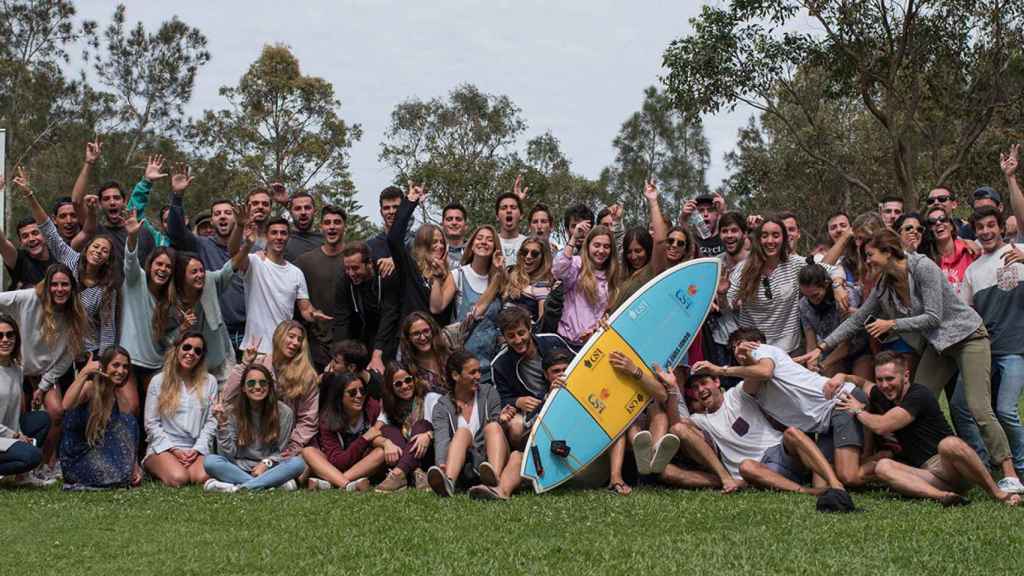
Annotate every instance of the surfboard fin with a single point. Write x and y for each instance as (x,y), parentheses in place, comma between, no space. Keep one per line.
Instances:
(560,448)
(536,460)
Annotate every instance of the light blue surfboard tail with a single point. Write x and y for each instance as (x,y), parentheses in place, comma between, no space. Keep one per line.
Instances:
(562,418)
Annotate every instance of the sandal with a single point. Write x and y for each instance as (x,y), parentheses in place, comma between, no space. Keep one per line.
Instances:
(620,489)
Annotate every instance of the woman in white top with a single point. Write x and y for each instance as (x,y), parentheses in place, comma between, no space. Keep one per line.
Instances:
(21,434)
(55,331)
(179,422)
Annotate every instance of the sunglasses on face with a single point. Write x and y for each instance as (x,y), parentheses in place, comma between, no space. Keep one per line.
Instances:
(912,228)
(676,242)
(939,199)
(530,253)
(253,384)
(933,222)
(767,288)
(12,335)
(197,350)
(356,392)
(400,381)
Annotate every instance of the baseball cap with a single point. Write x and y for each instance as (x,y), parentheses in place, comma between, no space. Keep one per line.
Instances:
(988,192)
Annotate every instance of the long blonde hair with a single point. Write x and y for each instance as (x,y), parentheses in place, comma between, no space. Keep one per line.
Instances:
(170,389)
(101,405)
(496,276)
(69,319)
(423,244)
(588,270)
(519,279)
(295,376)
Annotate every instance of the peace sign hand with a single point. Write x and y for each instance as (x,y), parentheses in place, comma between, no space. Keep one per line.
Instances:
(416,193)
(650,190)
(249,354)
(93,150)
(1008,162)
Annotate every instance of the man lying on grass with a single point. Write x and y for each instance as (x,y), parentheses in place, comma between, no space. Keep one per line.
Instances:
(932,462)
(749,448)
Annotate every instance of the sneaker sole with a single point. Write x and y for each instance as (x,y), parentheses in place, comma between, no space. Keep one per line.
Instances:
(664,452)
(436,480)
(487,475)
(484,493)
(642,452)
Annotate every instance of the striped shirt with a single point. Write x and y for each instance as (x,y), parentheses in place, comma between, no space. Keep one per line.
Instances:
(779,316)
(91,298)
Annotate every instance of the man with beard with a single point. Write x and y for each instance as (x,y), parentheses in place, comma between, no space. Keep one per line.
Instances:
(321,267)
(732,230)
(303,238)
(453,220)
(27,265)
(111,201)
(213,251)
(364,306)
(273,288)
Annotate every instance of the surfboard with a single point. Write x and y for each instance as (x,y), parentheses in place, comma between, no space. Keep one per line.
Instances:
(654,326)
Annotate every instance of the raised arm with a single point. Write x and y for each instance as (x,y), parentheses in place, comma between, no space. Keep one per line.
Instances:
(7,250)
(396,234)
(88,230)
(181,237)
(658,226)
(93,151)
(1009,162)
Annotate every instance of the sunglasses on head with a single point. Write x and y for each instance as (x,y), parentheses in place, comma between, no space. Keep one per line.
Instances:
(356,392)
(197,350)
(767,288)
(912,228)
(251,384)
(939,199)
(11,335)
(936,221)
(400,381)
(680,242)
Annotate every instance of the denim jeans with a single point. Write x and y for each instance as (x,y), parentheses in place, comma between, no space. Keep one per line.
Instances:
(964,423)
(1008,371)
(223,469)
(22,457)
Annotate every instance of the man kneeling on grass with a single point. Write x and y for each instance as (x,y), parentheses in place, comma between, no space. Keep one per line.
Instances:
(749,448)
(932,462)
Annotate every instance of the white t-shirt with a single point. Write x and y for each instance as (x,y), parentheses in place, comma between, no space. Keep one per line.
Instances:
(510,247)
(271,291)
(474,419)
(739,429)
(478,283)
(795,396)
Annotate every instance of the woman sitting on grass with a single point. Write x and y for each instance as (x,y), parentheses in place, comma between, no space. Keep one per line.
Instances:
(469,438)
(101,435)
(179,422)
(21,435)
(349,447)
(252,433)
(295,385)
(407,428)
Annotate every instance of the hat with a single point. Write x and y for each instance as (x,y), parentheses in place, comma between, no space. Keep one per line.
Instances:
(834,500)
(988,192)
(201,218)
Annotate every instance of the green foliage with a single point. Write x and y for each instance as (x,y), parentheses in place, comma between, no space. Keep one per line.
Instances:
(659,142)
(282,126)
(929,76)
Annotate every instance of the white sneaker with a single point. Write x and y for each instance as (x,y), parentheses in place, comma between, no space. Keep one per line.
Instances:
(212,485)
(1011,485)
(290,486)
(358,485)
(319,484)
(664,451)
(642,444)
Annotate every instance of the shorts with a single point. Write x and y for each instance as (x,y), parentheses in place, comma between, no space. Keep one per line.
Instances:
(898,345)
(845,430)
(779,461)
(934,465)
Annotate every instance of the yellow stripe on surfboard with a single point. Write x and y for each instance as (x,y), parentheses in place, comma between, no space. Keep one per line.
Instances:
(612,398)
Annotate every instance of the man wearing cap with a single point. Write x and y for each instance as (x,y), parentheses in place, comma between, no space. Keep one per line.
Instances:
(203,226)
(710,207)
(986,196)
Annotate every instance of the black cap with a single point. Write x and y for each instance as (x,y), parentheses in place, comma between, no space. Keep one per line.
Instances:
(988,192)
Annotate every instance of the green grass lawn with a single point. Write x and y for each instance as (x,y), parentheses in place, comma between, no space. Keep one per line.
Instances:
(154,530)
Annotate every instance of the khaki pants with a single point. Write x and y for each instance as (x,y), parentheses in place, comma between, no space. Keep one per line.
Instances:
(973,357)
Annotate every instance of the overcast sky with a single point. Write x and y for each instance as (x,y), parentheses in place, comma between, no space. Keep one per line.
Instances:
(576,68)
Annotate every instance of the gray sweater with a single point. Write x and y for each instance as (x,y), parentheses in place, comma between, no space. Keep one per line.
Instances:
(935,310)
(446,417)
(247,457)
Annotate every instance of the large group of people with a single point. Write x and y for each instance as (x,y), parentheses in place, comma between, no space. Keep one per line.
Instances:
(256,348)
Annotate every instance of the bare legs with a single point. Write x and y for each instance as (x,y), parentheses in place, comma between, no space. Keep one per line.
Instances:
(321,467)
(166,468)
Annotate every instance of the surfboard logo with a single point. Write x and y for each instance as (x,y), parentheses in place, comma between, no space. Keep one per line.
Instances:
(596,403)
(593,358)
(635,312)
(637,401)
(682,347)
(684,297)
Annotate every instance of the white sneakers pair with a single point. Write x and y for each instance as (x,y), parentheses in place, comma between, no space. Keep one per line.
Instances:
(653,459)
(213,485)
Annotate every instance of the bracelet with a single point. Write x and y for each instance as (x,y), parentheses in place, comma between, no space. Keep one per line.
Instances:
(638,374)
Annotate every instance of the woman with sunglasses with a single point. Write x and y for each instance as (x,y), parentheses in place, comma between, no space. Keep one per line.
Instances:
(179,420)
(952,254)
(407,429)
(765,291)
(530,281)
(469,442)
(295,380)
(101,436)
(424,350)
(348,448)
(21,434)
(910,227)
(252,432)
(56,328)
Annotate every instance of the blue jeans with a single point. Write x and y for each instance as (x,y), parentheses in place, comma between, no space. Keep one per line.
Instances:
(22,457)
(965,424)
(225,470)
(1009,385)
